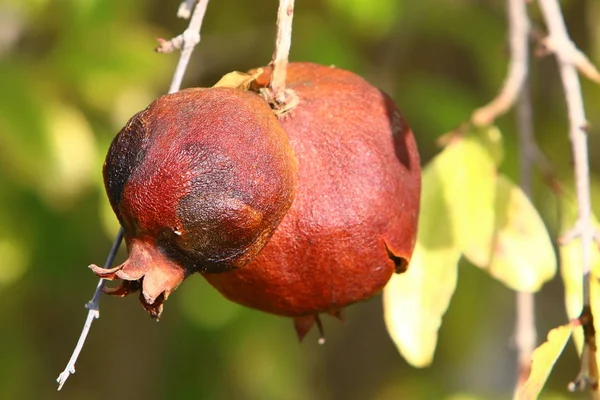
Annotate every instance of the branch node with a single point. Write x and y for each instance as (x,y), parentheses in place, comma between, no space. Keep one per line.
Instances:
(572,234)
(588,374)
(185,9)
(169,46)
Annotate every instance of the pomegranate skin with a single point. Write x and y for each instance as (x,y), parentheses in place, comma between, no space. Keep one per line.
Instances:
(354,218)
(199,181)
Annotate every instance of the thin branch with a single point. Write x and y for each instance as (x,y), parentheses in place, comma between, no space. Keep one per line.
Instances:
(517,84)
(525,329)
(191,37)
(517,71)
(562,47)
(283,42)
(185,9)
(93,307)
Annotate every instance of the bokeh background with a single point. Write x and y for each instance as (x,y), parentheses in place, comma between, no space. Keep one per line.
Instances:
(72,72)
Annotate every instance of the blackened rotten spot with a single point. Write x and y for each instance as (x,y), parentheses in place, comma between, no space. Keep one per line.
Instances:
(126,153)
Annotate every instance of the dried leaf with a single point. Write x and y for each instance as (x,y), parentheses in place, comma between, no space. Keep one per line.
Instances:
(238,80)
(523,257)
(543,360)
(415,301)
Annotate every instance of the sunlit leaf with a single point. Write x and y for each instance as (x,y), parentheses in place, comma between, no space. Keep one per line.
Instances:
(415,301)
(571,267)
(491,138)
(544,358)
(523,256)
(467,173)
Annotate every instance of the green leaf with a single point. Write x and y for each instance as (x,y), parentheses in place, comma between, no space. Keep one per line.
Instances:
(414,302)
(544,358)
(523,257)
(467,173)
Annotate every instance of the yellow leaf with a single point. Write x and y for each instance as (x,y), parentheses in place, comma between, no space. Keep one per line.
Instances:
(543,360)
(523,257)
(414,302)
(467,172)
(571,269)
(491,138)
(238,80)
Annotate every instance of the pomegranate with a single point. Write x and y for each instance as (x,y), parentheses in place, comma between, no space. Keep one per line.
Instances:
(199,181)
(354,218)
(296,217)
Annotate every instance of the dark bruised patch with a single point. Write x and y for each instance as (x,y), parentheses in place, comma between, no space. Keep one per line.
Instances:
(400,263)
(126,153)
(216,228)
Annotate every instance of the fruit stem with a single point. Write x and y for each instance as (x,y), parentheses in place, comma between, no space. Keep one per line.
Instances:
(283,42)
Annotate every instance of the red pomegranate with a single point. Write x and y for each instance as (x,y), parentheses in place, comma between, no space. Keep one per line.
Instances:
(354,218)
(199,181)
(202,181)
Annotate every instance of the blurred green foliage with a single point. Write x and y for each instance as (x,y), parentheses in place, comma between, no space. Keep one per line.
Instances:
(72,73)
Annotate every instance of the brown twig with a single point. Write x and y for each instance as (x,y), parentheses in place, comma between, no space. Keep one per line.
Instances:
(563,48)
(280,96)
(518,67)
(191,39)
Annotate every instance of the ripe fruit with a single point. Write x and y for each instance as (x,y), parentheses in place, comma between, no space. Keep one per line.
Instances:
(202,181)
(199,181)
(354,218)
